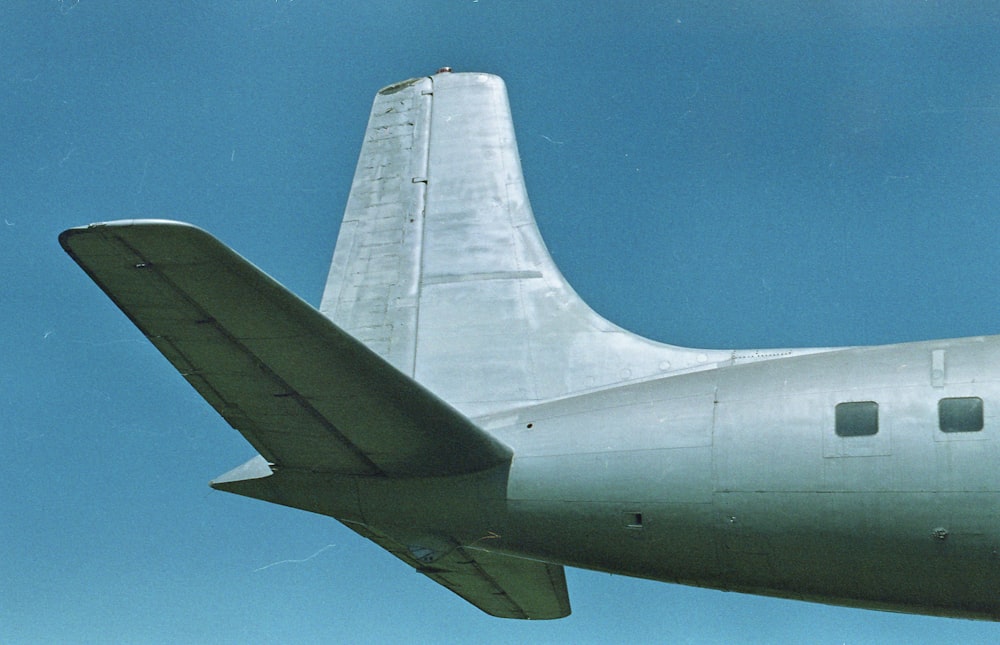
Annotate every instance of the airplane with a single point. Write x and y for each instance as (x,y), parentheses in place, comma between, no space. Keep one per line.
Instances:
(457,403)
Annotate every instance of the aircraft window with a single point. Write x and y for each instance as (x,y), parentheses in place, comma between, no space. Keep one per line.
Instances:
(857,419)
(963,414)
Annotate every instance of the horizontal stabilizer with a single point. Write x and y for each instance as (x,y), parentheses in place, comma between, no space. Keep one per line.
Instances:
(501,585)
(302,391)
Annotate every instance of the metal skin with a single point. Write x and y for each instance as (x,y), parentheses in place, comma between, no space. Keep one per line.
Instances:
(756,493)
(454,401)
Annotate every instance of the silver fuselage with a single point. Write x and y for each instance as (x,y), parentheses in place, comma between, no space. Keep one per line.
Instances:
(734,478)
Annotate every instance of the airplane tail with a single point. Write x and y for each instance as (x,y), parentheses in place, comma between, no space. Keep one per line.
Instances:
(440,270)
(440,267)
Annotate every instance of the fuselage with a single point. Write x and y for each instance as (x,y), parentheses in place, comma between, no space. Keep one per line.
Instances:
(740,478)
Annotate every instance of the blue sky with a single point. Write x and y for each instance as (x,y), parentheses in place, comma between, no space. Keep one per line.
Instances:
(743,175)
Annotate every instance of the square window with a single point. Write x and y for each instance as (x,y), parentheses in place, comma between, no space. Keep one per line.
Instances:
(963,414)
(857,419)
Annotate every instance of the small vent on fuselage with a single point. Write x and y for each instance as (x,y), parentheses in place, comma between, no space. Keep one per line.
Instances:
(633,520)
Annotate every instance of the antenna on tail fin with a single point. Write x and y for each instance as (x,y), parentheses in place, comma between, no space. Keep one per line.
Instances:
(440,267)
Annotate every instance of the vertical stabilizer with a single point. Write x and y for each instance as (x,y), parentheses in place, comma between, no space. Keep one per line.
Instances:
(440,267)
